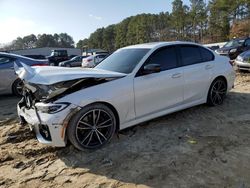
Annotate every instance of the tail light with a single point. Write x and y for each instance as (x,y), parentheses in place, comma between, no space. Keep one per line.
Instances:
(88,60)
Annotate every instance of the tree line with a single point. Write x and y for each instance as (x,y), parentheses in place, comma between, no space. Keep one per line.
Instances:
(201,21)
(44,40)
(214,21)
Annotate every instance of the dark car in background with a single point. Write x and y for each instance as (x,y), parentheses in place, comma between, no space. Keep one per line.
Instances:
(234,47)
(74,62)
(242,62)
(9,82)
(57,56)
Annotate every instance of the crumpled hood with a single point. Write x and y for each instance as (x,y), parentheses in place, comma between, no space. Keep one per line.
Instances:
(47,75)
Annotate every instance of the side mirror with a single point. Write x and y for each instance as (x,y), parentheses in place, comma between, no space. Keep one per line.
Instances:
(151,68)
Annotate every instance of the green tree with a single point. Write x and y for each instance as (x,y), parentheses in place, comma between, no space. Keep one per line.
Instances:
(121,33)
(179,19)
(29,41)
(65,40)
(198,19)
(46,40)
(109,38)
(82,43)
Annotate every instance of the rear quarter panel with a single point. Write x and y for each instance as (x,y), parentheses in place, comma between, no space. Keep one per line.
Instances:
(224,68)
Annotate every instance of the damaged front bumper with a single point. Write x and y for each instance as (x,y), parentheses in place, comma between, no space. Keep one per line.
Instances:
(49,128)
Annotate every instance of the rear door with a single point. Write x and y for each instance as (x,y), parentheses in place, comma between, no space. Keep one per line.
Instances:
(159,91)
(197,63)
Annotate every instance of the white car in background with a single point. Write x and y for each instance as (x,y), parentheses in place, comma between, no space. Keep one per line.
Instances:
(133,85)
(93,60)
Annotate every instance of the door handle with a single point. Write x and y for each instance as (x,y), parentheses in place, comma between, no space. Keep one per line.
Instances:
(208,67)
(176,75)
(11,67)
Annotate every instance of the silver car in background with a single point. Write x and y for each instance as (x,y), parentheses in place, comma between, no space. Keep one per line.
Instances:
(9,82)
(243,61)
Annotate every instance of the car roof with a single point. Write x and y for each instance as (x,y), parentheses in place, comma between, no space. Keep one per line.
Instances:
(15,55)
(159,44)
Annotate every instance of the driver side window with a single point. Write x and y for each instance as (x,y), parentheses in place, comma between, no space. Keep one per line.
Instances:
(165,57)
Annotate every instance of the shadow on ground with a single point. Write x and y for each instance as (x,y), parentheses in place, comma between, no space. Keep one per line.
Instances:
(197,147)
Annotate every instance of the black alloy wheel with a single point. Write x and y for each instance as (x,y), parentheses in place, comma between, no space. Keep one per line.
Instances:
(217,92)
(92,127)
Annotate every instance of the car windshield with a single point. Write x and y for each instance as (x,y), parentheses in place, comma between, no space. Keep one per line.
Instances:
(75,58)
(123,60)
(234,43)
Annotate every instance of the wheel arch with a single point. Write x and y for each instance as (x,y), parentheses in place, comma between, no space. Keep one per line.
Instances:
(216,78)
(220,77)
(113,109)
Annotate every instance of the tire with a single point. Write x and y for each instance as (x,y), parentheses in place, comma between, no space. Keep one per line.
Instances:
(217,92)
(92,127)
(17,87)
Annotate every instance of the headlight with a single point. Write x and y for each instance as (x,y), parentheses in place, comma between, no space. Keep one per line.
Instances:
(217,51)
(239,58)
(51,108)
(233,50)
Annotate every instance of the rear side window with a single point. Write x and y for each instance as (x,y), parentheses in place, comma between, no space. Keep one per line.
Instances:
(190,55)
(206,55)
(165,57)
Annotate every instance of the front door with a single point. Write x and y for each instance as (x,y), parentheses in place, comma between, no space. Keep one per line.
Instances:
(159,91)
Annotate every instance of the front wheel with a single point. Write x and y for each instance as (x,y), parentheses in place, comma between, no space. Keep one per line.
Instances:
(217,92)
(92,127)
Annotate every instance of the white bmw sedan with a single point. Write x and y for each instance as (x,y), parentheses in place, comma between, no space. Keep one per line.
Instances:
(133,85)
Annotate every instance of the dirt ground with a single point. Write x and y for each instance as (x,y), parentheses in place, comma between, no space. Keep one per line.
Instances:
(199,147)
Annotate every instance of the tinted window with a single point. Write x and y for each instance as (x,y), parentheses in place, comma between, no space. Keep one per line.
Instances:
(123,60)
(190,55)
(234,43)
(102,56)
(247,43)
(206,55)
(166,58)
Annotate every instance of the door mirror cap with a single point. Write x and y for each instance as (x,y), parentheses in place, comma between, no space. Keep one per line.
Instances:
(151,68)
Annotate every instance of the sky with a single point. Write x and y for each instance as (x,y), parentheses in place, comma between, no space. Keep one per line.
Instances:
(78,18)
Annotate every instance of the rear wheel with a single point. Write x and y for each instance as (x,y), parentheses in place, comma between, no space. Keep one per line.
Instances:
(217,92)
(17,87)
(92,127)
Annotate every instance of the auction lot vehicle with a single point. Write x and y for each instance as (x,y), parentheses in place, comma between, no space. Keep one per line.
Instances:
(73,62)
(93,60)
(9,82)
(234,47)
(243,61)
(133,85)
(58,56)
